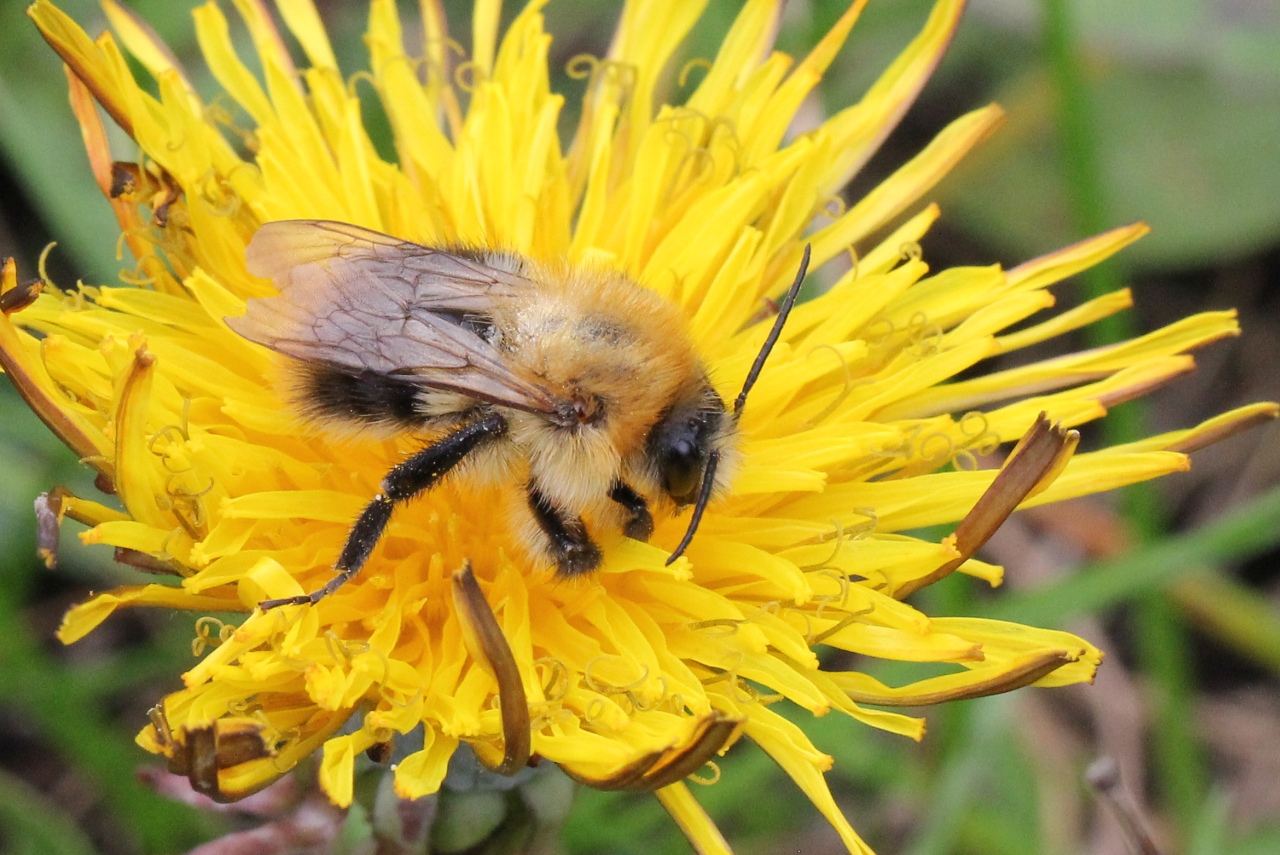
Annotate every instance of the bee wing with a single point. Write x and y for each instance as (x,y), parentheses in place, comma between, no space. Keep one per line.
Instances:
(361,301)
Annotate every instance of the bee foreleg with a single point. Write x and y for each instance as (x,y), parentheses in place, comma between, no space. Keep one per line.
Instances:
(571,547)
(639,524)
(405,481)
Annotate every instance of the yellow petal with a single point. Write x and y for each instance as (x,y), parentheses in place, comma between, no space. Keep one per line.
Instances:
(693,820)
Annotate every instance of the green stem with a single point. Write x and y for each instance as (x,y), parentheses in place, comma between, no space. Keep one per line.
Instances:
(1234,615)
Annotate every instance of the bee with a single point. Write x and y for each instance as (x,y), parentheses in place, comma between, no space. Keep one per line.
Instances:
(580,383)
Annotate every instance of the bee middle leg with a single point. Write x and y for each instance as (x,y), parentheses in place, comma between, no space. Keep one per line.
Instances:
(639,524)
(572,548)
(406,480)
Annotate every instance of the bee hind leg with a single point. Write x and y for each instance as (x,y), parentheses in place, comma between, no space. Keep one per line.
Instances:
(406,480)
(639,524)
(573,550)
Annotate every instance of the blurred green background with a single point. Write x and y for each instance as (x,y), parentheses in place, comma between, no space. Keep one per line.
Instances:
(1162,110)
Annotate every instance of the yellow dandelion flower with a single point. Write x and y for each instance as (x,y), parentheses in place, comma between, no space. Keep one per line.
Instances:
(634,676)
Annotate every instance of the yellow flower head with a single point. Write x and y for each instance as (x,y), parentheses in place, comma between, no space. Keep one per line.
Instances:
(633,676)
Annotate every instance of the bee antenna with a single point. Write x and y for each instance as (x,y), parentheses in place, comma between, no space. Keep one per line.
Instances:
(713,459)
(784,309)
(704,496)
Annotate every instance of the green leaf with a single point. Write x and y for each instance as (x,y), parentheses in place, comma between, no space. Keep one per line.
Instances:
(1245,531)
(1182,145)
(33,824)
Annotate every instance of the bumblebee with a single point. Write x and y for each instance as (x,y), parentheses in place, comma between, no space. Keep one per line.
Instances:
(579,383)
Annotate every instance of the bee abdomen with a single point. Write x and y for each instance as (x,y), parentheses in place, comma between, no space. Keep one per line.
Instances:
(367,398)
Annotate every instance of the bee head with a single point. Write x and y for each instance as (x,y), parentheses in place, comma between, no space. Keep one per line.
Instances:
(682,442)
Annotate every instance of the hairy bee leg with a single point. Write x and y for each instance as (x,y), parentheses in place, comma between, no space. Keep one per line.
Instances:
(574,551)
(405,481)
(640,524)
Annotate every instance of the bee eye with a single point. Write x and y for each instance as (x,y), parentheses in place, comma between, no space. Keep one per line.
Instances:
(681,465)
(679,445)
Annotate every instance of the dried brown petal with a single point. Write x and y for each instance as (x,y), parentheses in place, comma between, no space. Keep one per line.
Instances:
(1222,427)
(148,563)
(1034,462)
(18,298)
(664,768)
(713,735)
(1005,681)
(105,483)
(200,752)
(489,646)
(629,777)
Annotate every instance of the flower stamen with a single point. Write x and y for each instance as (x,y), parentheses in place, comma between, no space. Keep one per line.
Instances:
(682,80)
